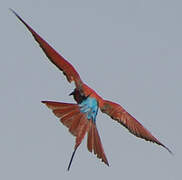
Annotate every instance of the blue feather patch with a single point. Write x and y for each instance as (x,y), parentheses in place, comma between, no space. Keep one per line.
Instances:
(89,106)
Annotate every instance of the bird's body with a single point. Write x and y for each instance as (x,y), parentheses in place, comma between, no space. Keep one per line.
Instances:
(80,118)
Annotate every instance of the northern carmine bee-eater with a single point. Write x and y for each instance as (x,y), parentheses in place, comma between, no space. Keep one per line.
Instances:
(80,118)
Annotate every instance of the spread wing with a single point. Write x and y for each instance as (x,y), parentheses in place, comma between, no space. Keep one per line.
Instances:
(68,70)
(116,112)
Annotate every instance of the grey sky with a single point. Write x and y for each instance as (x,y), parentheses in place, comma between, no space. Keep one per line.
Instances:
(130,52)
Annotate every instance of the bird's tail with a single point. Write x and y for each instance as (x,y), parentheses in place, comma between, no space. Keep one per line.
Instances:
(78,124)
(94,143)
(72,118)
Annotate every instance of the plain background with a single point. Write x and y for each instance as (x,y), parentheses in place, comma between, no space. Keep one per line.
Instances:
(129,51)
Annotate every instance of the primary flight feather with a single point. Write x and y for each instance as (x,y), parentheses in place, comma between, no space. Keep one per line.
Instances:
(80,118)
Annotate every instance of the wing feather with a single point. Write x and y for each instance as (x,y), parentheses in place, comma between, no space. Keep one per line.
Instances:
(68,70)
(116,112)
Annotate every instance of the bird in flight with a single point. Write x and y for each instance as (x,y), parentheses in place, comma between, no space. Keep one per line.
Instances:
(80,117)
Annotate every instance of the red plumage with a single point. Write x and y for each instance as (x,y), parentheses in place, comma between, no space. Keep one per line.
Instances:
(70,114)
(78,125)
